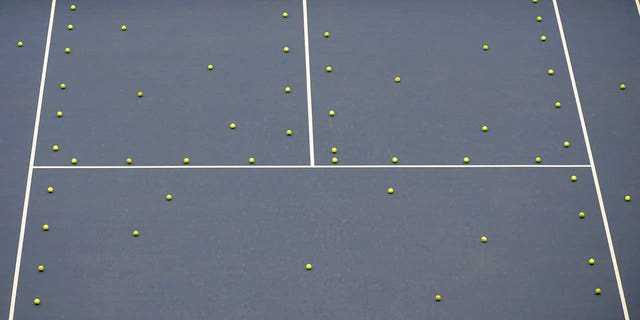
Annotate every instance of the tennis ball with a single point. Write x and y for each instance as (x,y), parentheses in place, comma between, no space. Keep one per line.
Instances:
(55,148)
(397,79)
(74,161)
(438,297)
(485,128)
(67,50)
(50,189)
(135,233)
(186,160)
(70,27)
(543,38)
(45,227)
(394,159)
(627,198)
(252,160)
(334,150)
(466,159)
(622,86)
(592,261)
(20,44)
(232,125)
(574,178)
(36,301)
(59,114)
(124,28)
(483,239)
(539,18)
(581,215)
(289,132)
(485,47)
(598,291)
(285,49)
(328,68)
(210,67)
(390,191)
(129,161)
(308,266)
(566,144)
(334,160)
(72,7)
(327,34)
(40,268)
(169,197)
(558,104)
(332,113)
(538,159)
(550,72)
(287,89)
(63,86)
(285,14)
(140,94)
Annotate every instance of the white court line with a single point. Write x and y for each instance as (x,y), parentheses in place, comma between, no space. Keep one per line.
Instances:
(405,166)
(27,193)
(593,165)
(312,160)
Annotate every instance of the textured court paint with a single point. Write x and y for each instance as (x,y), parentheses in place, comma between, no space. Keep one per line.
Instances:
(20,68)
(450,87)
(233,244)
(186,109)
(604,43)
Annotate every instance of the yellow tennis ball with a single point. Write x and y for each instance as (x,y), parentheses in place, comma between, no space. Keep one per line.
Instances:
(543,38)
(140,94)
(50,189)
(558,104)
(328,68)
(484,239)
(390,191)
(169,197)
(574,178)
(598,291)
(285,14)
(592,261)
(627,198)
(623,86)
(581,214)
(210,67)
(334,150)
(566,144)
(285,49)
(67,50)
(466,160)
(232,125)
(55,148)
(70,27)
(36,301)
(72,7)
(40,268)
(20,44)
(438,297)
(287,89)
(63,86)
(334,160)
(252,160)
(485,47)
(538,18)
(332,113)
(59,114)
(394,159)
(308,266)
(550,72)
(538,159)
(123,28)
(289,132)
(397,79)
(129,161)
(136,233)
(74,161)
(45,227)
(327,34)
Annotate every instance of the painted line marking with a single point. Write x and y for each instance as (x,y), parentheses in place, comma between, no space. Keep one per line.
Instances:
(34,142)
(405,166)
(593,165)
(312,160)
